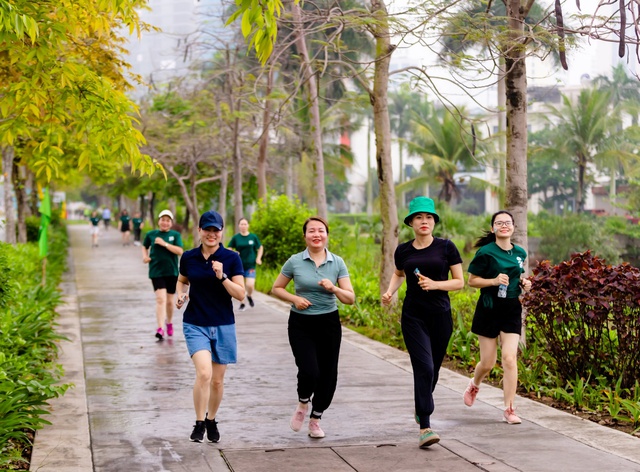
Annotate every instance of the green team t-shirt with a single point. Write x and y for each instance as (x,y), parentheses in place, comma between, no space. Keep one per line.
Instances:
(248,247)
(136,223)
(491,260)
(95,220)
(163,262)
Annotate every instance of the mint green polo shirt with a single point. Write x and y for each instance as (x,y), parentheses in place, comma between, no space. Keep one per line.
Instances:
(302,269)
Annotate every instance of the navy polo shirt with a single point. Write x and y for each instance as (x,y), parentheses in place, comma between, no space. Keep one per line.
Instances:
(209,302)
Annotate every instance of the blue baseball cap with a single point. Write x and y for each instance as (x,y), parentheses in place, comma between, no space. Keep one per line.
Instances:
(211,218)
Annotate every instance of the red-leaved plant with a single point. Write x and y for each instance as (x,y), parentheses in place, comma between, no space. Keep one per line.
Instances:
(587,313)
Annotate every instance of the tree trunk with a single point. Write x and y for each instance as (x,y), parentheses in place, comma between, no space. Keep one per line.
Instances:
(369,174)
(22,202)
(516,197)
(264,140)
(290,177)
(582,170)
(224,186)
(314,108)
(502,103)
(152,209)
(10,218)
(238,204)
(382,126)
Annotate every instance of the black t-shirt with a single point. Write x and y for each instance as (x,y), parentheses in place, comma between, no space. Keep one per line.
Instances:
(434,262)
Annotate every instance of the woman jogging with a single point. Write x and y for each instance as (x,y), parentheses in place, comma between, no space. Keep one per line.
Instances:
(425,263)
(496,270)
(213,275)
(250,249)
(320,277)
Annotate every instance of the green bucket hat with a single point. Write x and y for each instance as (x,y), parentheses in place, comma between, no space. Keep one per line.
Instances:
(421,205)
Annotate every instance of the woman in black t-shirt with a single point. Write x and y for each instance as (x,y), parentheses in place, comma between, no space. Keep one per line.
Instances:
(425,263)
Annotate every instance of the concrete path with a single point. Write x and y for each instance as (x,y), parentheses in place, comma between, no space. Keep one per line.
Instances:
(131,408)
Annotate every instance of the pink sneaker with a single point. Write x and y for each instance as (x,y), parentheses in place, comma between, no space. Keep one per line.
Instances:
(169,329)
(315,431)
(298,418)
(160,334)
(470,393)
(510,416)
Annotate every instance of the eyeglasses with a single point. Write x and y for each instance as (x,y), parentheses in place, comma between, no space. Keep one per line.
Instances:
(500,224)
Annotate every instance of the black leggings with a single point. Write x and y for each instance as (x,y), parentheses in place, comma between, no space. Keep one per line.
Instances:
(426,338)
(315,343)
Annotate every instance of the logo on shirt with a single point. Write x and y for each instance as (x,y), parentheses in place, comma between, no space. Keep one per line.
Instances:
(250,243)
(520,261)
(171,238)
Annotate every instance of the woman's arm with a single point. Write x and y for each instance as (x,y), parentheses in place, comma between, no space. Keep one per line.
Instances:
(259,255)
(235,286)
(478,282)
(343,291)
(177,250)
(456,282)
(182,286)
(396,281)
(279,289)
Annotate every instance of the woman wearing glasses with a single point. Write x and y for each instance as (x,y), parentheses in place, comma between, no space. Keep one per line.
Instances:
(496,270)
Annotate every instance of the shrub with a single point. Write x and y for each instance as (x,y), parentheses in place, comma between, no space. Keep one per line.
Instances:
(562,235)
(278,223)
(587,313)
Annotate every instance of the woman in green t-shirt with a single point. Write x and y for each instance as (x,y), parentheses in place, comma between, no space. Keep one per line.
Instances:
(496,270)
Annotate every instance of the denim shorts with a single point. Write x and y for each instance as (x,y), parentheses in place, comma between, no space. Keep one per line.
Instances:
(220,341)
(250,273)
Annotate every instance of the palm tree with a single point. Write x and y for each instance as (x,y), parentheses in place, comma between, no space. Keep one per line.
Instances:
(445,144)
(403,103)
(589,131)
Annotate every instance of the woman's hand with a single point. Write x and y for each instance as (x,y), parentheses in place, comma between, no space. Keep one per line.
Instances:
(327,285)
(525,284)
(501,279)
(182,299)
(301,303)
(426,283)
(386,298)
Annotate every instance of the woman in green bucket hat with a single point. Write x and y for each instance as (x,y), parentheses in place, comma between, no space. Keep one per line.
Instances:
(425,262)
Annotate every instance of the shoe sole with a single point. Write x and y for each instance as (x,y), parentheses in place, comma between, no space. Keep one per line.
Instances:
(511,422)
(196,440)
(159,336)
(430,442)
(216,441)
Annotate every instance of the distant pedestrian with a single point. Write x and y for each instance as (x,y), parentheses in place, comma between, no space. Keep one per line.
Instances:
(94,219)
(425,263)
(250,249)
(106,218)
(497,270)
(213,275)
(124,225)
(315,333)
(161,249)
(138,224)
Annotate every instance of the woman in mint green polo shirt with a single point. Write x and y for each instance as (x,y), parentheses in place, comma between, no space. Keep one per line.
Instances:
(315,332)
(496,270)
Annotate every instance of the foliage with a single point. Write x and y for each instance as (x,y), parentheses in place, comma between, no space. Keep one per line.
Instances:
(278,223)
(29,376)
(588,315)
(563,235)
(68,112)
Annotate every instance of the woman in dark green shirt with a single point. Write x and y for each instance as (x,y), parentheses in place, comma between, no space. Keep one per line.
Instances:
(496,270)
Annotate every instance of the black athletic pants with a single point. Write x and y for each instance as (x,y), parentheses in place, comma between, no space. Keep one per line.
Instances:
(426,339)
(315,343)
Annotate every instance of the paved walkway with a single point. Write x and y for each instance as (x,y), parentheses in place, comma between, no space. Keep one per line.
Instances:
(131,408)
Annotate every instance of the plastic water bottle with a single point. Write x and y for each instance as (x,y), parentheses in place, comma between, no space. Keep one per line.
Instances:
(502,291)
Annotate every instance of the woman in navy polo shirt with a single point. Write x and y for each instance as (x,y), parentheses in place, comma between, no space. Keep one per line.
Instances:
(314,323)
(213,275)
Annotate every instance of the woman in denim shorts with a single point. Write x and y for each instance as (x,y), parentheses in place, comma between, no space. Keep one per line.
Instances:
(210,276)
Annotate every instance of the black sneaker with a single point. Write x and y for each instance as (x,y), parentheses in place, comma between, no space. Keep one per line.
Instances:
(213,435)
(251,301)
(198,432)
(242,307)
